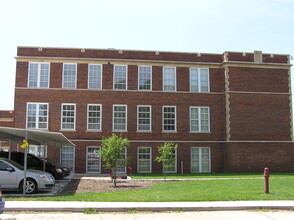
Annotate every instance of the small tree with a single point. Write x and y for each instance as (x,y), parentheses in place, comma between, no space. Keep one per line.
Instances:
(112,153)
(167,157)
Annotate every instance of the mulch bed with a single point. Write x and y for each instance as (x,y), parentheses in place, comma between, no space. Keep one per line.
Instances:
(102,185)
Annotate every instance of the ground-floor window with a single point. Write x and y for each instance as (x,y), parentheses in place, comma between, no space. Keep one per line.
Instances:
(122,169)
(67,155)
(144,160)
(38,150)
(173,168)
(93,160)
(200,160)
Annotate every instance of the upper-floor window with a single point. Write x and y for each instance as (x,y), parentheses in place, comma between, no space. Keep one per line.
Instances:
(199,80)
(144,117)
(37,115)
(39,75)
(119,118)
(68,116)
(95,76)
(94,117)
(69,76)
(199,119)
(169,79)
(120,77)
(145,78)
(169,118)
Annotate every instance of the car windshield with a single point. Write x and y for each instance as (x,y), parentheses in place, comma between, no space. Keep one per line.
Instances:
(14,164)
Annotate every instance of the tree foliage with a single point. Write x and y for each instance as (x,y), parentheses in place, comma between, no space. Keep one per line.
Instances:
(167,157)
(112,152)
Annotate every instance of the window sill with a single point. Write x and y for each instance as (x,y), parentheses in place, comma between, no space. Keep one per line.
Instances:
(119,131)
(93,130)
(144,132)
(169,132)
(67,130)
(200,132)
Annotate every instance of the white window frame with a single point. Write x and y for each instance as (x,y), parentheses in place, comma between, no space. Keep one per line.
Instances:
(200,159)
(150,118)
(172,131)
(176,164)
(139,78)
(38,75)
(199,79)
(37,115)
(199,119)
(69,129)
(101,74)
(73,159)
(75,76)
(98,158)
(126,118)
(88,111)
(114,77)
(163,74)
(138,160)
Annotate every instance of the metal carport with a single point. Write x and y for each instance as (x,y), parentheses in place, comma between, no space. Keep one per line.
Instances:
(38,137)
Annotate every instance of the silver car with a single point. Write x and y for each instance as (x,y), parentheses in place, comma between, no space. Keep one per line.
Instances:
(12,175)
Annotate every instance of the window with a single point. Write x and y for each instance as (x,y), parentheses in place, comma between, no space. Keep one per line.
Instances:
(144,118)
(94,117)
(119,118)
(199,80)
(145,78)
(38,150)
(95,76)
(69,76)
(67,156)
(144,160)
(122,169)
(199,119)
(169,118)
(39,75)
(37,115)
(68,117)
(120,77)
(93,160)
(200,160)
(169,79)
(173,168)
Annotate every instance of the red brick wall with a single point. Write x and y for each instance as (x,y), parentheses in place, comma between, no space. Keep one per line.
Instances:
(254,157)
(260,117)
(259,80)
(6,118)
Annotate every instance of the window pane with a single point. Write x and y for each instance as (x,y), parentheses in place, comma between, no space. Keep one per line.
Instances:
(68,117)
(94,76)
(119,118)
(120,77)
(69,76)
(169,118)
(169,78)
(144,76)
(144,118)
(94,117)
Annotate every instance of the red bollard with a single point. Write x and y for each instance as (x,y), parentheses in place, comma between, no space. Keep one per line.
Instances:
(266,175)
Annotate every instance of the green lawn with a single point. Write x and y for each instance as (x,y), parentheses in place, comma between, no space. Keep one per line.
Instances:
(281,188)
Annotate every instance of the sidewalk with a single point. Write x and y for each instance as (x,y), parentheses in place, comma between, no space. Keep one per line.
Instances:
(144,206)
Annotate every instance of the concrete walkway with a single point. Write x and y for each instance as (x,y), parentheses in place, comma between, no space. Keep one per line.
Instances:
(47,206)
(217,215)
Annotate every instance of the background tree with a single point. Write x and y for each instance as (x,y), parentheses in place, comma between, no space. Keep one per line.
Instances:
(112,153)
(167,156)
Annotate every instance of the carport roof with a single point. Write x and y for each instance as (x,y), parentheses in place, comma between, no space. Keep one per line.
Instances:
(35,136)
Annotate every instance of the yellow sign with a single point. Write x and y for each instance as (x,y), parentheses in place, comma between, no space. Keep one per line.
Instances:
(25,144)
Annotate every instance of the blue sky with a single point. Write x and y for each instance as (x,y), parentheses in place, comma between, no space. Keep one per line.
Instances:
(207,26)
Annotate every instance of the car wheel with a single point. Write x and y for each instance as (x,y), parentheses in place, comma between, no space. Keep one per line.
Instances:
(31,186)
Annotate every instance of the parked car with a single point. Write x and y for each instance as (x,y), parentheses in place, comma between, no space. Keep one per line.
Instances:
(58,171)
(12,175)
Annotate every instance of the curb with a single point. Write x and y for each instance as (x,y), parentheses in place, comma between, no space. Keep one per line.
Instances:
(145,206)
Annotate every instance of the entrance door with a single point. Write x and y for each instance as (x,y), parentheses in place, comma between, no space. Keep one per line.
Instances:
(93,160)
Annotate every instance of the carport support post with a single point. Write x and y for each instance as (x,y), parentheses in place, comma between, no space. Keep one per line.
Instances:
(25,165)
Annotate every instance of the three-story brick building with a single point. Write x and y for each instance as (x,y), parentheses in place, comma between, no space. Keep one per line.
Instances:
(227,112)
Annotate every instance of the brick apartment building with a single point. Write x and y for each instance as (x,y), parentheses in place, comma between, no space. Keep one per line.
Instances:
(227,112)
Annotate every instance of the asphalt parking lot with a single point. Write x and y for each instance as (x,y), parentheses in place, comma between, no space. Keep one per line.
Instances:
(59,185)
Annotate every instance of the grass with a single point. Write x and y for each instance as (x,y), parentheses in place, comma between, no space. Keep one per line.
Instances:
(205,175)
(281,188)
